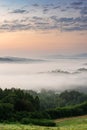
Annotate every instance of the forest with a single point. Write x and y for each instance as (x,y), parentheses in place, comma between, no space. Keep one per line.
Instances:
(40,108)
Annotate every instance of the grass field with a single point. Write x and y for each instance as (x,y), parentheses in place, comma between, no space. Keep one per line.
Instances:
(77,123)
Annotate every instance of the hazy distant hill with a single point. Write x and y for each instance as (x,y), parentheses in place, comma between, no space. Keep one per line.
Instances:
(83,55)
(17,60)
(77,56)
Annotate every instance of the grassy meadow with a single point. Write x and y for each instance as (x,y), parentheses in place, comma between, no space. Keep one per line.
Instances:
(76,123)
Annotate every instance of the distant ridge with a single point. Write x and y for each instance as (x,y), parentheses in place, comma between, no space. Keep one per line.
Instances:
(59,56)
(18,60)
(83,55)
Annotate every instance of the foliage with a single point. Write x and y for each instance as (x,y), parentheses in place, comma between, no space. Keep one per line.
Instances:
(52,99)
(76,110)
(35,107)
(38,122)
(6,110)
(77,123)
(14,101)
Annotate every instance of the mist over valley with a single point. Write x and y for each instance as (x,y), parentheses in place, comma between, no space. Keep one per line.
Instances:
(56,74)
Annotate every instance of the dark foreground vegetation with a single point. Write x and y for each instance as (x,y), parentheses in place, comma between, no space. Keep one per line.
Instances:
(40,108)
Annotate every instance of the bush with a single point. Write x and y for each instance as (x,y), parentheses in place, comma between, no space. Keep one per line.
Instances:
(39,115)
(6,111)
(25,121)
(38,122)
(76,110)
(44,123)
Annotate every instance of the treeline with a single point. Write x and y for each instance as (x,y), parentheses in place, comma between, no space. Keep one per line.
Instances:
(76,110)
(52,98)
(15,101)
(35,107)
(19,106)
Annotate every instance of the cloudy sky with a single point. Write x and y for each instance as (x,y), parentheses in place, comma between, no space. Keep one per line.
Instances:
(43,26)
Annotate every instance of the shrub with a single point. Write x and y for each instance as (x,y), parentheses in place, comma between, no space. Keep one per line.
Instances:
(38,122)
(44,123)
(25,121)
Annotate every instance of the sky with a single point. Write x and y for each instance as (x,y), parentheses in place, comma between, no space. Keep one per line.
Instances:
(39,27)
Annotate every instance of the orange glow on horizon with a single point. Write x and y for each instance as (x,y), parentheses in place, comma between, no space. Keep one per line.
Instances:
(51,41)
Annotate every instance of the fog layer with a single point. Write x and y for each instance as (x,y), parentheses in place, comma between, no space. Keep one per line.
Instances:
(57,74)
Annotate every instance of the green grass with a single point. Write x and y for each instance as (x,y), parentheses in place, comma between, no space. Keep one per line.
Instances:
(24,127)
(78,123)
